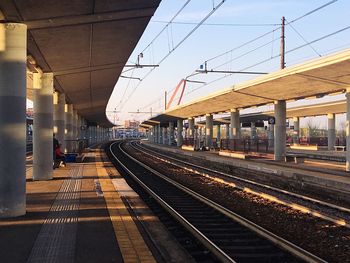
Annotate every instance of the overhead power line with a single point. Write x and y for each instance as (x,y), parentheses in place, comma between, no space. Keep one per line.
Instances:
(259,37)
(314,10)
(269,32)
(175,47)
(215,24)
(166,26)
(308,43)
(273,57)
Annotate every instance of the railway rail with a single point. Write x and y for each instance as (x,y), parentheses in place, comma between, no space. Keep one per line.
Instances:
(227,235)
(333,213)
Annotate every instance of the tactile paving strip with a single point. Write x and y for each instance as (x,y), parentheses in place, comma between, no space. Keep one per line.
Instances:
(56,239)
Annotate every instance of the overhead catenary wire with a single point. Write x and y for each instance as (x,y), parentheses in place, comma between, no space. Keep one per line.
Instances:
(216,24)
(301,36)
(166,26)
(261,36)
(273,57)
(272,31)
(313,11)
(174,48)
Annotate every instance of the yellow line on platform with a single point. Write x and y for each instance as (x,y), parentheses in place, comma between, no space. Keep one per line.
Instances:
(131,243)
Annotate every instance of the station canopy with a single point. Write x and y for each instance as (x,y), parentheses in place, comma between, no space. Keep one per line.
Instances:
(316,78)
(85,43)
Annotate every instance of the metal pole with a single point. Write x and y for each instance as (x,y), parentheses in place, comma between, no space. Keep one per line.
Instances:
(283,64)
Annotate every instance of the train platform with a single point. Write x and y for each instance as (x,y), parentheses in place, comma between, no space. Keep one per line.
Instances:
(313,174)
(87,213)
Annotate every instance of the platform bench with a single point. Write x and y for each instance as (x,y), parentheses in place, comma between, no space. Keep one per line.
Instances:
(340,148)
(296,158)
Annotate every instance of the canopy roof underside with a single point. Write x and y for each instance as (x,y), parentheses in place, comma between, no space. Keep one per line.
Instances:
(85,43)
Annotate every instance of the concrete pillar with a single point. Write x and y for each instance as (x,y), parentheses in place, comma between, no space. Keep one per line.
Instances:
(13,55)
(75,124)
(280,130)
(89,134)
(271,134)
(157,133)
(43,129)
(191,128)
(209,130)
(171,133)
(218,134)
(227,131)
(347,129)
(253,131)
(235,129)
(164,131)
(153,134)
(78,126)
(160,135)
(296,134)
(331,131)
(94,134)
(180,128)
(69,127)
(59,118)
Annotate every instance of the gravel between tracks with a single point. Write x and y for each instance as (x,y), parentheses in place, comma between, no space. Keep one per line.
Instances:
(322,238)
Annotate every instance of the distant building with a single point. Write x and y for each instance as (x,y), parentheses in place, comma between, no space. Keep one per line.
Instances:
(131,124)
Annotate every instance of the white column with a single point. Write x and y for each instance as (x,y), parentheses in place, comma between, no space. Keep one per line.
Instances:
(154,134)
(296,124)
(253,131)
(227,131)
(171,133)
(69,127)
(218,134)
(235,129)
(280,130)
(347,129)
(43,129)
(75,124)
(191,128)
(164,135)
(331,131)
(208,130)
(13,55)
(179,132)
(271,134)
(59,118)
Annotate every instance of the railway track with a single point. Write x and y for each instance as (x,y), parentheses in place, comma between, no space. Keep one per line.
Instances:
(228,236)
(333,213)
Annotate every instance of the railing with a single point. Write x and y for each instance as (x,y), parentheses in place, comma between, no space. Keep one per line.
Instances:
(322,141)
(199,143)
(247,145)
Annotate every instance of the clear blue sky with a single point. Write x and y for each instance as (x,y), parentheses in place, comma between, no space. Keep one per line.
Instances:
(210,40)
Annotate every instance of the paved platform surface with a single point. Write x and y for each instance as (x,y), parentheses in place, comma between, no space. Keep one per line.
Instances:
(76,217)
(324,174)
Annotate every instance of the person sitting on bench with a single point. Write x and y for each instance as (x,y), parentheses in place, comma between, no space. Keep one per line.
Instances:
(60,158)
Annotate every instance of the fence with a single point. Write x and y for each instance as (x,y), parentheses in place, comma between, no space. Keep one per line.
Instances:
(247,145)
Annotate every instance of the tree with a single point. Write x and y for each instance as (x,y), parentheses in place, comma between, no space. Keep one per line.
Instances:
(312,128)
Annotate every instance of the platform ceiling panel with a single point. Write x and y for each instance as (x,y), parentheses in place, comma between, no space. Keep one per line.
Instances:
(85,43)
(337,107)
(321,76)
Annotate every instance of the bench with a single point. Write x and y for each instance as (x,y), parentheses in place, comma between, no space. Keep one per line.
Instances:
(296,158)
(340,148)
